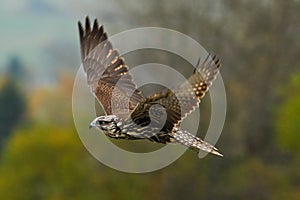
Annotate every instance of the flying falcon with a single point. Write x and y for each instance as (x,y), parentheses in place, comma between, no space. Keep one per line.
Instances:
(130,115)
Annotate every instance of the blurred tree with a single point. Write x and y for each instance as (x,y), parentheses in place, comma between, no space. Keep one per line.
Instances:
(45,163)
(49,162)
(12,108)
(288,118)
(264,57)
(15,69)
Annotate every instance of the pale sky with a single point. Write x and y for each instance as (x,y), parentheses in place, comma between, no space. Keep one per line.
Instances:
(30,29)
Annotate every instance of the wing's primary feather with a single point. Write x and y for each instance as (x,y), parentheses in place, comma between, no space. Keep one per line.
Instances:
(107,74)
(181,101)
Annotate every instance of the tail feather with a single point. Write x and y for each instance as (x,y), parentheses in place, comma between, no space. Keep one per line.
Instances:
(193,142)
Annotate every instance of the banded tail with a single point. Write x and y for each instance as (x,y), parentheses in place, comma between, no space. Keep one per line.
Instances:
(193,142)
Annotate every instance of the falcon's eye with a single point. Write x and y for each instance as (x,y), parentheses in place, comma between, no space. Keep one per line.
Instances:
(100,122)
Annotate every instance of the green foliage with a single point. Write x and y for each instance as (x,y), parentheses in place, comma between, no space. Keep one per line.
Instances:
(288,117)
(42,162)
(50,162)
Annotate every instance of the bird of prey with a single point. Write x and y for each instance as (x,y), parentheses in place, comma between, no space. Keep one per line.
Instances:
(130,115)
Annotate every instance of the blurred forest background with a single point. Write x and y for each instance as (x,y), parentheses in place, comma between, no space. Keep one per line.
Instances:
(258,41)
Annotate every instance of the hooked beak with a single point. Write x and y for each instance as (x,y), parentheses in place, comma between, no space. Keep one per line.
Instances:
(92,124)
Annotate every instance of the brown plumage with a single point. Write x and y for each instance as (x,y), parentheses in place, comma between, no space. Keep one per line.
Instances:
(111,83)
(104,68)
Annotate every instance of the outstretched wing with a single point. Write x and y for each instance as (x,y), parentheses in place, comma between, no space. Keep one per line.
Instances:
(107,74)
(181,101)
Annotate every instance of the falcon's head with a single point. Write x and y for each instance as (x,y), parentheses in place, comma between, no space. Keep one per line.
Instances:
(109,123)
